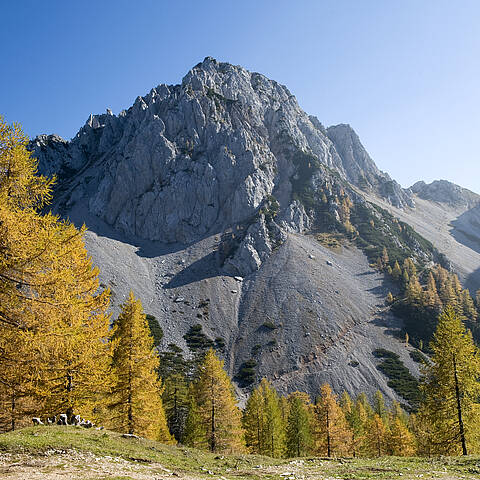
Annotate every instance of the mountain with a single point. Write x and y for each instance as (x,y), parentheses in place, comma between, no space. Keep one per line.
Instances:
(219,201)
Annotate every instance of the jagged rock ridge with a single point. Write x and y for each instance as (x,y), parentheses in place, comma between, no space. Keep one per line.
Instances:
(219,177)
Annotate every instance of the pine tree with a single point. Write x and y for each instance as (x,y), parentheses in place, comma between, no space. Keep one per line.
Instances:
(299,434)
(176,402)
(137,404)
(451,387)
(217,409)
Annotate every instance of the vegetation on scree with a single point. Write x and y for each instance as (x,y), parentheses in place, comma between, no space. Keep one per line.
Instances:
(423,287)
(59,354)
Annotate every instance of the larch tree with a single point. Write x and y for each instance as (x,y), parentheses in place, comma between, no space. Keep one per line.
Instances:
(263,421)
(48,295)
(275,429)
(299,425)
(451,387)
(377,436)
(195,432)
(217,408)
(137,404)
(332,433)
(254,422)
(401,441)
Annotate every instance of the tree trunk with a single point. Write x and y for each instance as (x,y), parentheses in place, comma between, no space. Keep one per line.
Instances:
(13,406)
(459,408)
(213,439)
(329,452)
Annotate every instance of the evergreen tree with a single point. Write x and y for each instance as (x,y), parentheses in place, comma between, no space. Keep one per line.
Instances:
(137,404)
(217,410)
(451,387)
(176,404)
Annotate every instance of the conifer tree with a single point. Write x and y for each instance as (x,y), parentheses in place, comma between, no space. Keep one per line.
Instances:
(431,298)
(377,436)
(385,259)
(401,441)
(379,407)
(51,313)
(467,305)
(176,403)
(137,404)
(217,409)
(396,271)
(451,387)
(195,433)
(275,431)
(254,422)
(299,425)
(263,421)
(332,435)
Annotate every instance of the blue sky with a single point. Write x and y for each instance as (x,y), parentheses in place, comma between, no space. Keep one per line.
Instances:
(404,73)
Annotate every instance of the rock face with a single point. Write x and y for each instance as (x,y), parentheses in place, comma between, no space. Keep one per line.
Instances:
(192,159)
(207,193)
(443,191)
(362,171)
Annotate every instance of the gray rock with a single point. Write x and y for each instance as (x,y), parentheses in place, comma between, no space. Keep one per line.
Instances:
(213,178)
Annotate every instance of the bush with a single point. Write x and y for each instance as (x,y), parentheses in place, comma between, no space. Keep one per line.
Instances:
(269,325)
(246,374)
(399,377)
(155,329)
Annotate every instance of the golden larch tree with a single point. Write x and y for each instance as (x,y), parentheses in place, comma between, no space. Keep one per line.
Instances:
(137,404)
(217,409)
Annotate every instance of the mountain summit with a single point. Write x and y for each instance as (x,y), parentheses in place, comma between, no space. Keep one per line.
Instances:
(221,202)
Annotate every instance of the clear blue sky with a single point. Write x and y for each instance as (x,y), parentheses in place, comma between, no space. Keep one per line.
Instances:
(404,73)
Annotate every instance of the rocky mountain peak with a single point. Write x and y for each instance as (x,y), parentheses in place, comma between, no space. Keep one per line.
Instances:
(189,160)
(443,191)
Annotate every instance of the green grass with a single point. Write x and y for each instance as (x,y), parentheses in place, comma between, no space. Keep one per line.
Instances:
(33,443)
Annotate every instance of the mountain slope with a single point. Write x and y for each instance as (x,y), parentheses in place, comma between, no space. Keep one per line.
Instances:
(214,200)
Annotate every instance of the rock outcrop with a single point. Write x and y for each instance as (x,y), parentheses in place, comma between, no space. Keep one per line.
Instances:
(212,192)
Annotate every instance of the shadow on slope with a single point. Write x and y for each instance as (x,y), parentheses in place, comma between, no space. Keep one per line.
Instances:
(205,267)
(145,248)
(466,229)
